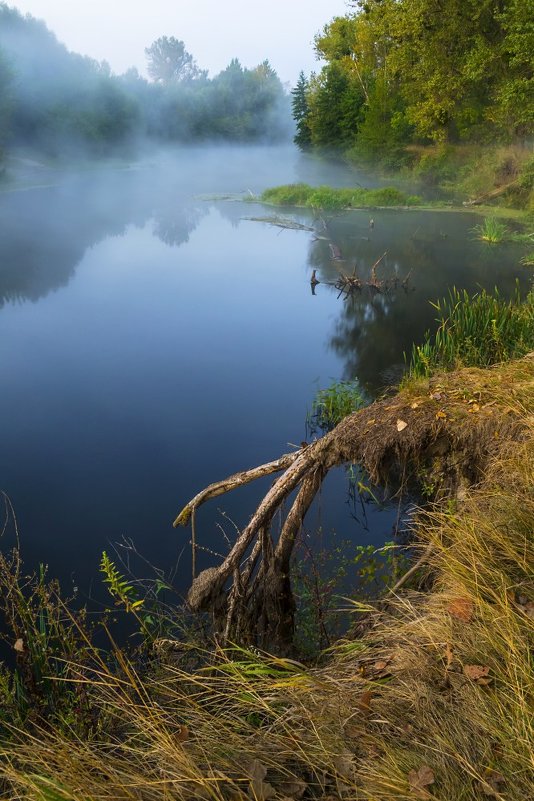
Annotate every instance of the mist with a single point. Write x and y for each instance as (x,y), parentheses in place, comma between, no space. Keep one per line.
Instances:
(64,106)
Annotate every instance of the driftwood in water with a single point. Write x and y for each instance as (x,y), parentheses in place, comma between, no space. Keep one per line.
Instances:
(347,285)
(281,222)
(249,593)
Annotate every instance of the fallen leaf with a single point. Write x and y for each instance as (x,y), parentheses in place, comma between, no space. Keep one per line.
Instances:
(436,396)
(364,701)
(294,789)
(461,609)
(477,673)
(19,645)
(344,764)
(183,734)
(441,415)
(419,779)
(371,422)
(261,789)
(401,425)
(491,781)
(474,408)
(381,665)
(414,405)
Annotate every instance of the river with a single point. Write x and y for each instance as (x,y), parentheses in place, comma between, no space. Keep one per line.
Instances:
(153,341)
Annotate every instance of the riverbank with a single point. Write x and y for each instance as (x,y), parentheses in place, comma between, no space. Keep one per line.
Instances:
(428,697)
(497,176)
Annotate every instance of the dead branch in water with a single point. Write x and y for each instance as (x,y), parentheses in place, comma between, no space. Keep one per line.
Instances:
(281,222)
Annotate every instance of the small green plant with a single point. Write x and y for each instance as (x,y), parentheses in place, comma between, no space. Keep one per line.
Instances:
(51,643)
(118,586)
(332,404)
(475,331)
(321,578)
(149,612)
(491,230)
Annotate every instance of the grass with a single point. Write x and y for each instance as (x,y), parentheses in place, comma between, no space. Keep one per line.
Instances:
(476,330)
(492,231)
(430,697)
(326,197)
(332,404)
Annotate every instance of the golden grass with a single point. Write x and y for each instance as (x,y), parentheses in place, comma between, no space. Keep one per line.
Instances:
(435,701)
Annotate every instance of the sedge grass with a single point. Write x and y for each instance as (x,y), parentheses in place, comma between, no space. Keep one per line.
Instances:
(475,330)
(492,231)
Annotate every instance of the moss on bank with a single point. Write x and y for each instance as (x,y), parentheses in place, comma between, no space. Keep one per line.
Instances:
(429,698)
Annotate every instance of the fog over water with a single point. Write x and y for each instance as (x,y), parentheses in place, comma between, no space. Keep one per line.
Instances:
(153,341)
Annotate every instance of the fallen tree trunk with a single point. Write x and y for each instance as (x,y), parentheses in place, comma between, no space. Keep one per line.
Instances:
(396,439)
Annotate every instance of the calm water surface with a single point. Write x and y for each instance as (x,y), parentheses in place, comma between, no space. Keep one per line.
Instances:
(152,342)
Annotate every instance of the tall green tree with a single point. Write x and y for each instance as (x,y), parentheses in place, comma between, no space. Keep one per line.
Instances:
(301,110)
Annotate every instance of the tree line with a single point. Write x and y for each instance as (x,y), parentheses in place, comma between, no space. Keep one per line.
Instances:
(59,102)
(401,72)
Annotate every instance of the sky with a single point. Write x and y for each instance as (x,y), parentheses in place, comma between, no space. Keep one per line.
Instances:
(214,31)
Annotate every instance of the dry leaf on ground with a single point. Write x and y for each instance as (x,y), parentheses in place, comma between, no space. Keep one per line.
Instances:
(401,425)
(420,779)
(491,781)
(477,673)
(364,701)
(461,609)
(19,645)
(261,789)
(294,789)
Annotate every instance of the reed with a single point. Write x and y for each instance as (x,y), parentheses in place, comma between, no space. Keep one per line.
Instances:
(477,330)
(491,230)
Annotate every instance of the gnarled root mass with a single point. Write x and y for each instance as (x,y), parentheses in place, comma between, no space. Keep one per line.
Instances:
(449,427)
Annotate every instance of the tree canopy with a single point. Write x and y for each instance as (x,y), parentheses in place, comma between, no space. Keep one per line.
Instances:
(169,61)
(401,71)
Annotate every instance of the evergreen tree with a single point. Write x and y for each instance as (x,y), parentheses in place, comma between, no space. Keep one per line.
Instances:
(301,110)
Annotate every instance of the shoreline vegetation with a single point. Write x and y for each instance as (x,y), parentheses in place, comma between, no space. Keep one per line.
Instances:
(427,696)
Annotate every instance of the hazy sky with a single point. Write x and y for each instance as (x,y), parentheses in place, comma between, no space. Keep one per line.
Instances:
(214,31)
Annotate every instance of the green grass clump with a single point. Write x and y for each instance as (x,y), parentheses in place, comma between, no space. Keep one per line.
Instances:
(326,197)
(475,331)
(332,404)
(491,230)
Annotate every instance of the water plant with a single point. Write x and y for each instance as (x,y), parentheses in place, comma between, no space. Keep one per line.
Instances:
(332,404)
(327,197)
(491,230)
(475,330)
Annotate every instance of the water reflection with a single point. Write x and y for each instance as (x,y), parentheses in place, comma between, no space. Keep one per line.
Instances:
(418,256)
(185,345)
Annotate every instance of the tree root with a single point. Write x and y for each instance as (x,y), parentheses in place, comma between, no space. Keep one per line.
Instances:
(249,593)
